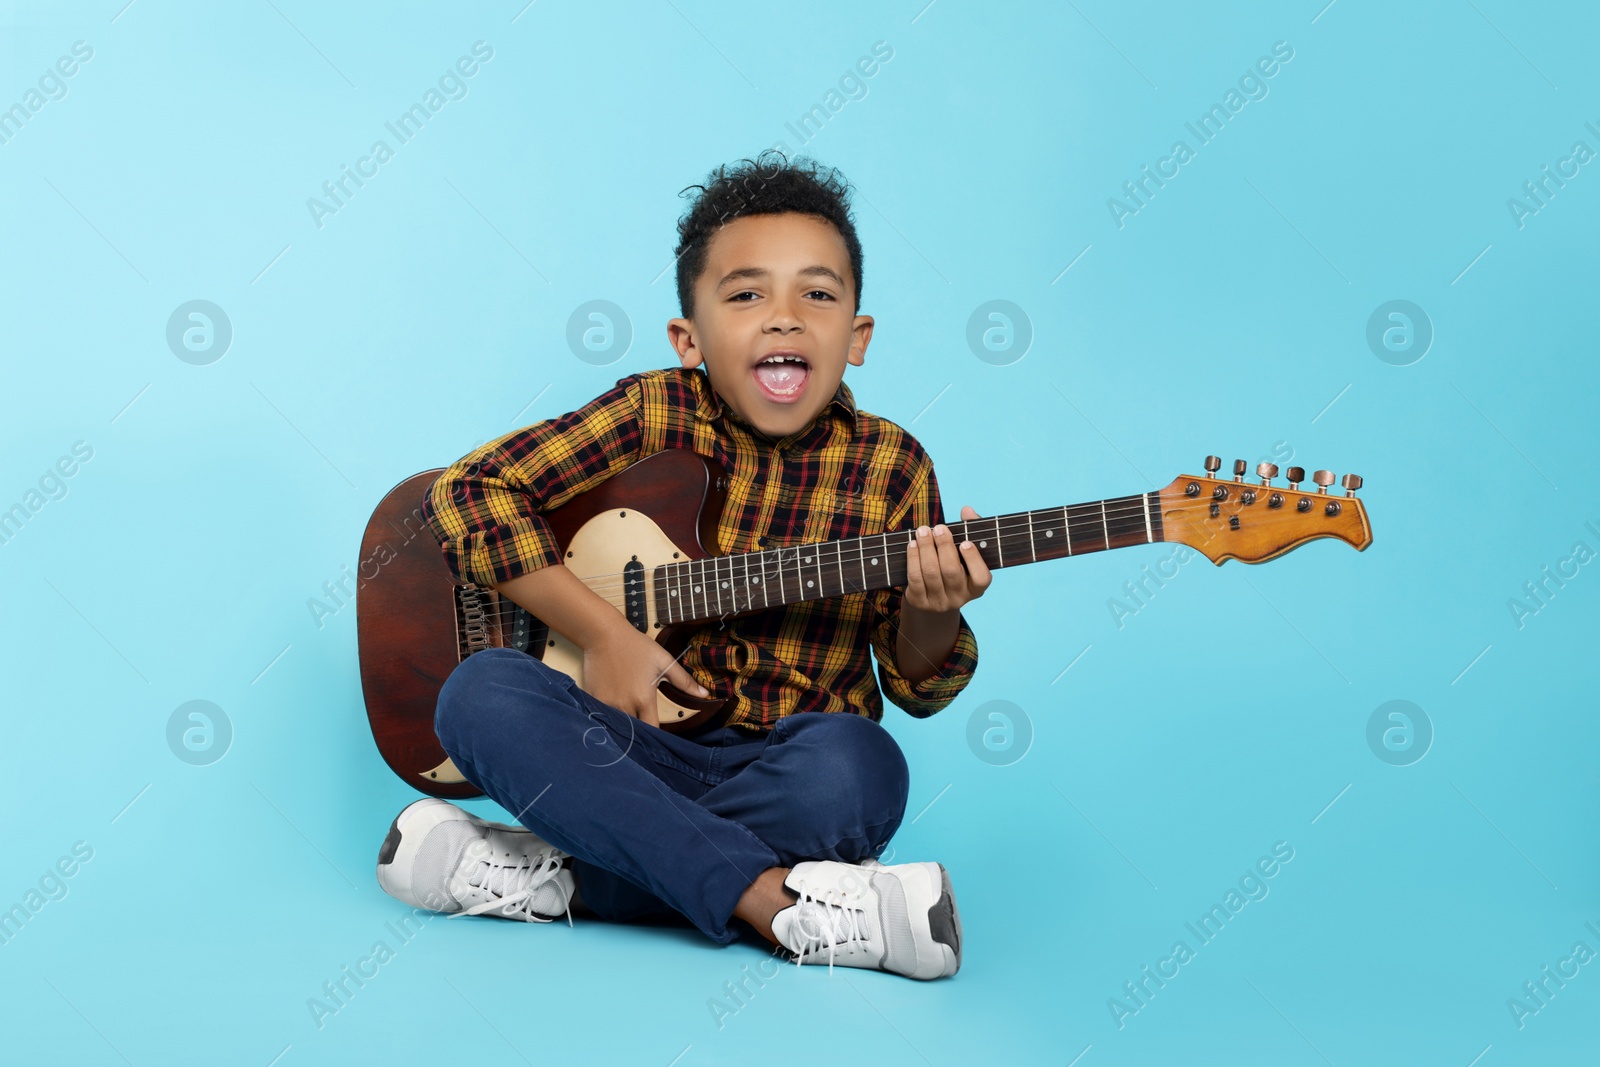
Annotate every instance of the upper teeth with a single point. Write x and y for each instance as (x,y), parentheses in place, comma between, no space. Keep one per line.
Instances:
(783,359)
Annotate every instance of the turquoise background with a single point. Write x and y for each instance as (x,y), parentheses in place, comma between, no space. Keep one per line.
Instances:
(1228,315)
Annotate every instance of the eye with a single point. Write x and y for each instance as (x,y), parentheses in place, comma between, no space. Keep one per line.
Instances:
(822,293)
(744,293)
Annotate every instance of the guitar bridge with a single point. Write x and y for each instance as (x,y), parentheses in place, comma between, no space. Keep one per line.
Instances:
(485,619)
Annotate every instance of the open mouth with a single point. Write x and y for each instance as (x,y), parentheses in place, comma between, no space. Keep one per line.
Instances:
(782,377)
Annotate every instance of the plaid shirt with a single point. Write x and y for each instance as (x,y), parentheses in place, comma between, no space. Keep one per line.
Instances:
(846,474)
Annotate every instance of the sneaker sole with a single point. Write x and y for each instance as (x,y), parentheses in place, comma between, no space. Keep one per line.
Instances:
(945,918)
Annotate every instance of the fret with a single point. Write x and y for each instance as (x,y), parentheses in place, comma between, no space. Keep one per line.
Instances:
(999,546)
(861,559)
(766,601)
(881,562)
(685,590)
(1149,534)
(686,609)
(783,590)
(1033,549)
(1105,527)
(1072,535)
(1066,528)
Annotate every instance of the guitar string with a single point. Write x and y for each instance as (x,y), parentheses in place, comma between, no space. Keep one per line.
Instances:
(1130,512)
(740,581)
(840,557)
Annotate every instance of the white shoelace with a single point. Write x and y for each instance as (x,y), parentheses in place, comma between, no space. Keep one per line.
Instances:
(842,927)
(530,873)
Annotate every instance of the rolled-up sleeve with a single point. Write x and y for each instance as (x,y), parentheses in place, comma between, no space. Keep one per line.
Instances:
(920,507)
(485,509)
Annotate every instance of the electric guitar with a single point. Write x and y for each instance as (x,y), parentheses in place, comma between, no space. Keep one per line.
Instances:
(638,541)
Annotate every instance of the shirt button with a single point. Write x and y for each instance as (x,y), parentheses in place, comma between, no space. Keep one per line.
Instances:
(763,542)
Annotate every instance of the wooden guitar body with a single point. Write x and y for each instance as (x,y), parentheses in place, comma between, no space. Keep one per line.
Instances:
(415,622)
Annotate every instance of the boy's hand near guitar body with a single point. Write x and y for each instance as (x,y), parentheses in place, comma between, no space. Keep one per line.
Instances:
(621,666)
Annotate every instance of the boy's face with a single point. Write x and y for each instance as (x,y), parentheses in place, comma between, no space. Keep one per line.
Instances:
(774,284)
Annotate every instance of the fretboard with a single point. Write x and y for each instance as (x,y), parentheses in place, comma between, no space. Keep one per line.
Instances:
(718,586)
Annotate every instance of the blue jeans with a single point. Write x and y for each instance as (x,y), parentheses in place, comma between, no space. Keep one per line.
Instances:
(661,824)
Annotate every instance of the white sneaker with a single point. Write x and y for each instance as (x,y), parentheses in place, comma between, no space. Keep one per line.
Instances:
(901,919)
(442,858)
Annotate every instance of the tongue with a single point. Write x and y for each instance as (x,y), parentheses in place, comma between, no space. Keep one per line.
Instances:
(781,377)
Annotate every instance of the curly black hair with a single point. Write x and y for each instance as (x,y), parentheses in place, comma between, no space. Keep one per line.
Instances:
(770,184)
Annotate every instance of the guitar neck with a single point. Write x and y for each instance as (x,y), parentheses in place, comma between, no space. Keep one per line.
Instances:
(704,590)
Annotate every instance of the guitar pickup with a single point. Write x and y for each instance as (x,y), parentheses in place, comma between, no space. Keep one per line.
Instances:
(633,600)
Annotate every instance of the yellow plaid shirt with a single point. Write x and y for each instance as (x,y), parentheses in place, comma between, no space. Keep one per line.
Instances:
(847,474)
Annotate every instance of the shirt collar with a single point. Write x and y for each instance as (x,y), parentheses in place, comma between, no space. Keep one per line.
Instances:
(709,404)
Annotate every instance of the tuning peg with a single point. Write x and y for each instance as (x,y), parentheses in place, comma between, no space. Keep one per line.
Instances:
(1351,482)
(1296,475)
(1213,464)
(1239,467)
(1267,472)
(1323,480)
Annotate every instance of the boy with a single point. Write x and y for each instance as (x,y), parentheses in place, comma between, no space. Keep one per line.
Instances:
(773,820)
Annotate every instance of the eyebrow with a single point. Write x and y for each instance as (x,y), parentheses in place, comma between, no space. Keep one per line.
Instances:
(759,272)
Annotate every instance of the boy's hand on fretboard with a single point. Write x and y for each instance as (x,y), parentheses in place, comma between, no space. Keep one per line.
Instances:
(941,575)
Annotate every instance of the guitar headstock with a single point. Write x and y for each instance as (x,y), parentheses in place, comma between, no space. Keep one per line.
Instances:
(1256,521)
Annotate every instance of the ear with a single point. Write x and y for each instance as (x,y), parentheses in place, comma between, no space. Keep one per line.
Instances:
(681,335)
(860,337)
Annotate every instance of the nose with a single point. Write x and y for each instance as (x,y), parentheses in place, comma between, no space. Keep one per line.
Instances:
(783,317)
